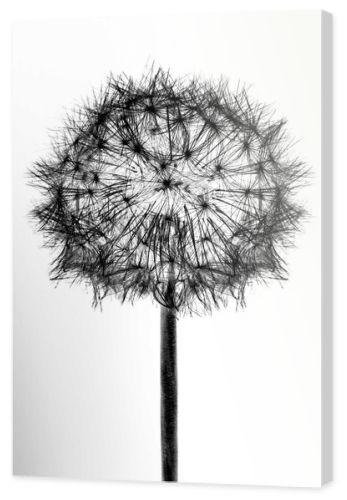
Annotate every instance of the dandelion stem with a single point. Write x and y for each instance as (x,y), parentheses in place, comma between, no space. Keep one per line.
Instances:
(168,373)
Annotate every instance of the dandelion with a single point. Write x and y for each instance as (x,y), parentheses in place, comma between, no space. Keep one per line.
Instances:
(172,188)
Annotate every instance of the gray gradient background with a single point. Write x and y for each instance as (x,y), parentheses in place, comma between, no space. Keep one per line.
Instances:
(86,382)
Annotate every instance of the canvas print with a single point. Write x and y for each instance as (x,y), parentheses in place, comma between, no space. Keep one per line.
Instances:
(163,200)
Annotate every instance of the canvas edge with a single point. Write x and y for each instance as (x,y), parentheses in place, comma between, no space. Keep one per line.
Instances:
(326,247)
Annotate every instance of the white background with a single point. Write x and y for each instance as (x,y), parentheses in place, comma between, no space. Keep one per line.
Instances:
(38,489)
(86,382)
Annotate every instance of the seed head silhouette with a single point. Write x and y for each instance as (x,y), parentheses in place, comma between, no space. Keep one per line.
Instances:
(172,188)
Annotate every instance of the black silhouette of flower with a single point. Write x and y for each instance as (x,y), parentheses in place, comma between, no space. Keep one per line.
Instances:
(178,189)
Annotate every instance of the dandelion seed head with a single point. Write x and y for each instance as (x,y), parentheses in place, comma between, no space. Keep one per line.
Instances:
(169,182)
